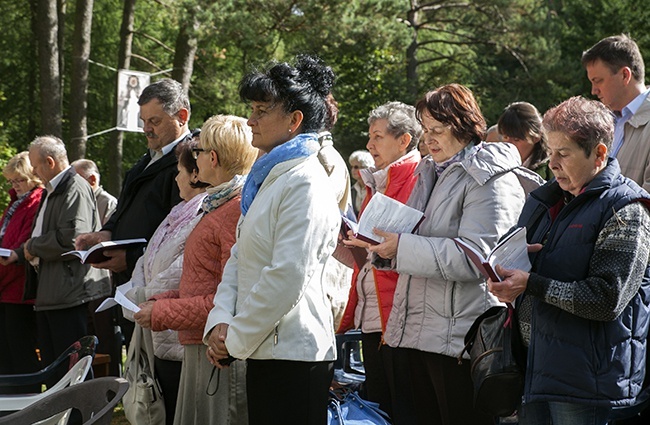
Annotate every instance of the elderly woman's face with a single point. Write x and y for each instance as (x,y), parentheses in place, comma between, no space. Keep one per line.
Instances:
(571,168)
(441,142)
(383,146)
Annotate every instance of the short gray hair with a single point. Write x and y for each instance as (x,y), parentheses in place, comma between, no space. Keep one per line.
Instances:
(86,168)
(362,157)
(401,120)
(169,92)
(50,146)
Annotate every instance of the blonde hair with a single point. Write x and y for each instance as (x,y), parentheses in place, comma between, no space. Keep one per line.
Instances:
(230,137)
(21,166)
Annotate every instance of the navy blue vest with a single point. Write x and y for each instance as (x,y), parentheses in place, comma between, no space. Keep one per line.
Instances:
(570,358)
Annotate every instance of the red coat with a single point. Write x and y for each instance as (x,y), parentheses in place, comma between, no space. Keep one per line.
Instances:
(399,184)
(206,251)
(12,277)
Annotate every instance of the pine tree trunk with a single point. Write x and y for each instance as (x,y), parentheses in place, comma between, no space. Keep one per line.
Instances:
(79,84)
(48,60)
(186,44)
(114,180)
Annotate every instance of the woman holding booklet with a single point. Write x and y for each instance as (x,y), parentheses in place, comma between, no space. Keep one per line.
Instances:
(159,270)
(17,316)
(587,295)
(394,134)
(224,157)
(470,190)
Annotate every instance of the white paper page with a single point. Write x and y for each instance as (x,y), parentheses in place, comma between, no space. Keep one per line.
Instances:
(5,252)
(513,253)
(120,299)
(389,215)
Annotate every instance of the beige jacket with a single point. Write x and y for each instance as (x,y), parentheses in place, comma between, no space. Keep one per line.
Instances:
(634,155)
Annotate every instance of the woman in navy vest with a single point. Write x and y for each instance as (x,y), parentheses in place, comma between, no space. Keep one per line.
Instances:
(583,308)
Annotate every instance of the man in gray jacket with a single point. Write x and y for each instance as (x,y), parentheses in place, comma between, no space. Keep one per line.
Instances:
(61,286)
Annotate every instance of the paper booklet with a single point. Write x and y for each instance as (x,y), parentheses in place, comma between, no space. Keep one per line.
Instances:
(510,253)
(386,214)
(96,253)
(120,298)
(5,252)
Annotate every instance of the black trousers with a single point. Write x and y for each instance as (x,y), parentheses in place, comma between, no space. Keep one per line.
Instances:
(383,373)
(443,390)
(103,325)
(168,373)
(18,344)
(57,330)
(282,392)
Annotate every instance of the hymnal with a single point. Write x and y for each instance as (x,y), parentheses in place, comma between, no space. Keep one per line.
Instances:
(96,253)
(510,253)
(386,214)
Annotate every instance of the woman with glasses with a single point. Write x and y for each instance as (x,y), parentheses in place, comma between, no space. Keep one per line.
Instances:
(470,190)
(17,318)
(393,137)
(271,307)
(224,157)
(159,270)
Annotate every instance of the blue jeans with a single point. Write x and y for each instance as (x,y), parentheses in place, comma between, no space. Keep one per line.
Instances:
(560,413)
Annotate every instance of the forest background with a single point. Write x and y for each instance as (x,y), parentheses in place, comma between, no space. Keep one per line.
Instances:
(58,58)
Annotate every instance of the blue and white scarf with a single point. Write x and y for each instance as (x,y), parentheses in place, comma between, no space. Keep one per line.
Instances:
(300,146)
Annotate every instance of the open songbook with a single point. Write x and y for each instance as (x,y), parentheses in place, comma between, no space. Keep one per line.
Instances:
(386,214)
(510,253)
(95,254)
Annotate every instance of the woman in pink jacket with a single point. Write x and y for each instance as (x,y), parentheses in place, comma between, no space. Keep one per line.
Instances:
(17,319)
(224,156)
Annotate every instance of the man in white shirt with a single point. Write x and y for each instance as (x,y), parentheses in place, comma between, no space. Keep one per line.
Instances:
(616,71)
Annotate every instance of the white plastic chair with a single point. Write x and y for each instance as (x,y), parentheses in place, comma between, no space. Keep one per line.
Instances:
(76,374)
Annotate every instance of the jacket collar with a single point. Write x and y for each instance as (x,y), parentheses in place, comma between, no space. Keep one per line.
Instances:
(642,116)
(490,160)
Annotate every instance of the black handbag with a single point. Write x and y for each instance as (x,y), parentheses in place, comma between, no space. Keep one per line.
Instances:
(494,346)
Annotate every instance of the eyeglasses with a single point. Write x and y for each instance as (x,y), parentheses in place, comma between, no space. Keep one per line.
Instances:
(16,181)
(196,151)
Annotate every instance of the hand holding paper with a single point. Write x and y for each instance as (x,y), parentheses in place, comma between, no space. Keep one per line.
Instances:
(120,299)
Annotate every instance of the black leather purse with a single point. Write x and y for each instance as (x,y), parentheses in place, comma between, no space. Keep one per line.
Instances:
(494,346)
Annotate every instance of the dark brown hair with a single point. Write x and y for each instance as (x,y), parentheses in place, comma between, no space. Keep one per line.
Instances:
(454,105)
(186,160)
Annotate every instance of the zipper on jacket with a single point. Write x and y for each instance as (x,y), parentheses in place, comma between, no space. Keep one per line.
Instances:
(453,296)
(275,336)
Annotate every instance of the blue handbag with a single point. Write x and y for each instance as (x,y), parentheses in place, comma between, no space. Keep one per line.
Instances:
(347,408)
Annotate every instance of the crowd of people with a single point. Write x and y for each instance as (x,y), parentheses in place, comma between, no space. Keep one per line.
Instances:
(247,269)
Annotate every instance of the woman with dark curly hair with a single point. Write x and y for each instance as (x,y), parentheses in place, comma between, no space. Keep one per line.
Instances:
(271,308)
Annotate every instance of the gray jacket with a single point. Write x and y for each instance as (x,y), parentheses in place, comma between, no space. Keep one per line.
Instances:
(439,292)
(65,282)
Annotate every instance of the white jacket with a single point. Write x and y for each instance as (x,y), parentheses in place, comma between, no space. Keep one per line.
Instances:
(271,293)
(165,275)
(439,292)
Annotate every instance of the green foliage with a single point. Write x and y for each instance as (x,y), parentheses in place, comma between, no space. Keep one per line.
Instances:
(504,50)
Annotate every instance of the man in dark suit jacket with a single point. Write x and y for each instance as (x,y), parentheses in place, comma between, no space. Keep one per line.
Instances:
(149,191)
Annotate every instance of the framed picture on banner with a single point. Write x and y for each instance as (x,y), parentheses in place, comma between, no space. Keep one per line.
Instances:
(129,87)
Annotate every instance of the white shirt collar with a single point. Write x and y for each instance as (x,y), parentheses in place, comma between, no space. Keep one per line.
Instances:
(52,184)
(631,108)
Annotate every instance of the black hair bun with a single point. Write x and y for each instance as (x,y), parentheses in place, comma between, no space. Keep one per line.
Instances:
(318,75)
